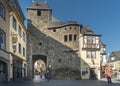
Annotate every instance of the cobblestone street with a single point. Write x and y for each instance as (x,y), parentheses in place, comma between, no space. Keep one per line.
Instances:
(63,83)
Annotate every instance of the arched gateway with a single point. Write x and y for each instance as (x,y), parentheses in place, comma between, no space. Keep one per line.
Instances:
(39,63)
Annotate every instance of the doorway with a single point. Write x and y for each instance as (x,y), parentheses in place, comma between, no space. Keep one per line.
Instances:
(93,75)
(3,71)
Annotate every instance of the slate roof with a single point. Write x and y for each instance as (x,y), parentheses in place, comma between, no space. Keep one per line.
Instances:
(86,30)
(39,5)
(54,22)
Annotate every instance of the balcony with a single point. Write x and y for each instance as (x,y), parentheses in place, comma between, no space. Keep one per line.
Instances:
(91,46)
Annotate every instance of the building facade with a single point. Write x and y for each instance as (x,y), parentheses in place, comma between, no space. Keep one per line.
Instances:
(67,46)
(17,43)
(90,54)
(4,33)
(114,63)
(12,41)
(103,61)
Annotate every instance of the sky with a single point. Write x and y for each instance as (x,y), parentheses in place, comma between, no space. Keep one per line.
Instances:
(102,16)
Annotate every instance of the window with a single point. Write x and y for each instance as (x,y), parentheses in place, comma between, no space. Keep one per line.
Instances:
(54,30)
(2,39)
(59,60)
(103,50)
(38,12)
(75,37)
(23,51)
(65,38)
(91,42)
(40,43)
(91,54)
(24,37)
(90,39)
(97,42)
(14,23)
(20,31)
(70,37)
(84,71)
(2,11)
(20,48)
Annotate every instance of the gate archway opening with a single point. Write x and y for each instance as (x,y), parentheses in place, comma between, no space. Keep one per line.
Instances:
(39,65)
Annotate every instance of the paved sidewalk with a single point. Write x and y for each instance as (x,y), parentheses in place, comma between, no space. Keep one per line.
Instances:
(114,80)
(62,83)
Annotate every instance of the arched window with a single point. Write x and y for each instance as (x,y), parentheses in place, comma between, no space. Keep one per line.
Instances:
(2,39)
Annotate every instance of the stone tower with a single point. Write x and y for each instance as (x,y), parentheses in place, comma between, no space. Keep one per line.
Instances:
(53,41)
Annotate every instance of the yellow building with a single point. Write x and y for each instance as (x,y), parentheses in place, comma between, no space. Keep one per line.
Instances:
(12,41)
(17,43)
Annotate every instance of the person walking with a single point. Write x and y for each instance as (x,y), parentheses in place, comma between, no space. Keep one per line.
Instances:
(47,75)
(108,75)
